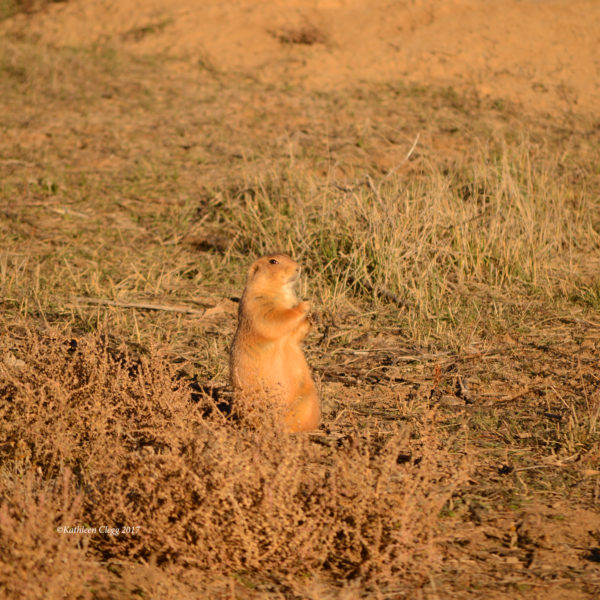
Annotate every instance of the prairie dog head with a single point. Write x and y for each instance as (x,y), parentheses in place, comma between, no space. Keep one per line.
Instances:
(273,275)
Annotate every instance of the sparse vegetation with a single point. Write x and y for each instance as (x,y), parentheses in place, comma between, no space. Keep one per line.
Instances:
(457,348)
(9,8)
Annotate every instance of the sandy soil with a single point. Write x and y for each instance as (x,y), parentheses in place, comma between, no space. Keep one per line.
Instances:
(539,53)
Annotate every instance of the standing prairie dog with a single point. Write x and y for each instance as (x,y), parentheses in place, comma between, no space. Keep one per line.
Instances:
(267,362)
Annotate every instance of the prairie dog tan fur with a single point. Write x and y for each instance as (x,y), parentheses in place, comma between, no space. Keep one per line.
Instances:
(267,362)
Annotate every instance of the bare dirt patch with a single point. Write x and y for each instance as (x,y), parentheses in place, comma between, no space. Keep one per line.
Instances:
(538,53)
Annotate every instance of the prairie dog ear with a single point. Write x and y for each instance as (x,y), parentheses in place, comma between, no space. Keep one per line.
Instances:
(253,270)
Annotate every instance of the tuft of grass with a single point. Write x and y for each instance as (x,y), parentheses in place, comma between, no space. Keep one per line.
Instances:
(431,245)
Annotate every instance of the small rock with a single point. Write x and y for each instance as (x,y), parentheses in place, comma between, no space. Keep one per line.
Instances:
(12,361)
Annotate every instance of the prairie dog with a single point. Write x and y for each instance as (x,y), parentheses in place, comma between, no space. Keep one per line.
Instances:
(266,361)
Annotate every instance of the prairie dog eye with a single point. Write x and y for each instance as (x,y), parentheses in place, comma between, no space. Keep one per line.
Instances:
(273,261)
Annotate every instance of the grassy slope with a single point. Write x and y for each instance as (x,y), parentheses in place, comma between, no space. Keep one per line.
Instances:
(457,349)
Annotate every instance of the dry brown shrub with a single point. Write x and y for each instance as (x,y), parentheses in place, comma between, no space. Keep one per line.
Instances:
(209,492)
(36,560)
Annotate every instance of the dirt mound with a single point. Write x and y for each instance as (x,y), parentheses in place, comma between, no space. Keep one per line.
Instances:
(534,52)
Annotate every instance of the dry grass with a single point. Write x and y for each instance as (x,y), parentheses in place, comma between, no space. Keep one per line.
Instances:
(457,349)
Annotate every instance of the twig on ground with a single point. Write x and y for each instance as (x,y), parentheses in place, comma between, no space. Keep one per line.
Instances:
(515,396)
(412,148)
(408,155)
(61,210)
(403,357)
(14,161)
(141,305)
